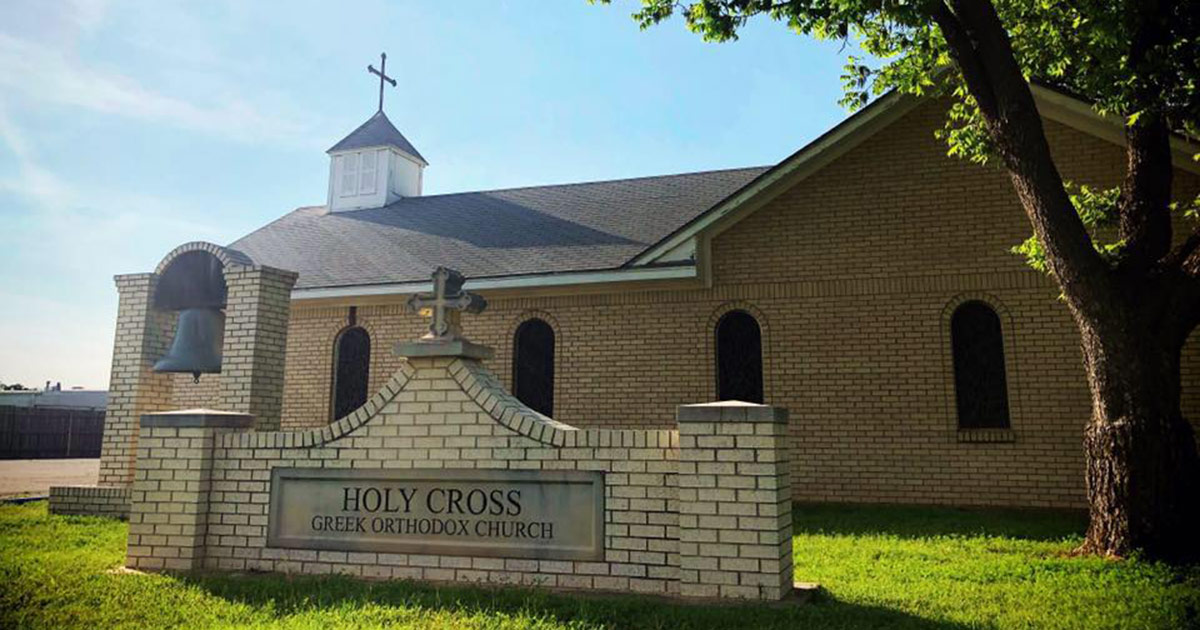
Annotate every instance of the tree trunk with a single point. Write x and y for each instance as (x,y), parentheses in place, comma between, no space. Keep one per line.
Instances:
(1143,474)
(1142,469)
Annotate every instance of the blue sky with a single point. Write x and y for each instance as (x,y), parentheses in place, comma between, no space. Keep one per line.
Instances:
(127,128)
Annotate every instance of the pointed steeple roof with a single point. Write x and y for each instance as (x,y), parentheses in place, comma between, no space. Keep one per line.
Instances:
(378,131)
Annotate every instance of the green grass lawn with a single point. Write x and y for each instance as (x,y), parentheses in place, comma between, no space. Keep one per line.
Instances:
(880,567)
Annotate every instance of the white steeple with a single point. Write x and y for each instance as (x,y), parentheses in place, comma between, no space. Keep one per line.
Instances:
(375,165)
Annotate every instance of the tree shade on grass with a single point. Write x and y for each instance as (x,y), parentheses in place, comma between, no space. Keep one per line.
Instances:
(881,567)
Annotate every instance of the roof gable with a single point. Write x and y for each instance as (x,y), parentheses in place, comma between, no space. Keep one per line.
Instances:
(859,127)
(827,147)
(378,131)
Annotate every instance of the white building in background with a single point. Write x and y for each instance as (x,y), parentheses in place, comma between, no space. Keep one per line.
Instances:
(82,399)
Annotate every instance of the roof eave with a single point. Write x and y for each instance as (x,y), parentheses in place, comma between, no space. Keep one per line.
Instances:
(522,281)
(416,158)
(816,154)
(1073,112)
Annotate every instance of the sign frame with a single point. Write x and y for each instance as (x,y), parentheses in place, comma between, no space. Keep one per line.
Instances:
(594,480)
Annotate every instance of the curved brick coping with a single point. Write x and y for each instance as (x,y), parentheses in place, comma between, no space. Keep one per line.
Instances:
(486,390)
(228,257)
(324,435)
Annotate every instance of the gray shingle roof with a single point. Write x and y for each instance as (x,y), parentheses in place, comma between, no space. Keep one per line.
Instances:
(572,227)
(378,131)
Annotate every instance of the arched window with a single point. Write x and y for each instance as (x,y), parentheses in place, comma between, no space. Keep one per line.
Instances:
(533,366)
(352,365)
(980,384)
(739,358)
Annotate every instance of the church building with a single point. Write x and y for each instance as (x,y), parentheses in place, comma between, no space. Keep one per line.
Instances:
(865,283)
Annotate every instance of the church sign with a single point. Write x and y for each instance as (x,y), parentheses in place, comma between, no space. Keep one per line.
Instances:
(552,515)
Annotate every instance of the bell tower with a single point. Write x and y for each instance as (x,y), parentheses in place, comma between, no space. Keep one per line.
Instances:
(194,286)
(375,165)
(218,321)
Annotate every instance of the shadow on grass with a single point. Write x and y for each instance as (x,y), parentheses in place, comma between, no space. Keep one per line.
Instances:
(905,521)
(285,596)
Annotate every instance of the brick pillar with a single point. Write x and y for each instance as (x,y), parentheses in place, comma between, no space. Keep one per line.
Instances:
(143,335)
(256,323)
(735,508)
(169,503)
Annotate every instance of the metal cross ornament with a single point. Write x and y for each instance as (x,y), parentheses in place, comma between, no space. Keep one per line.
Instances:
(382,72)
(446,303)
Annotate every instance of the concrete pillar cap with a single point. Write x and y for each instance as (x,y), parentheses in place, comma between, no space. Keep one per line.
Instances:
(449,347)
(731,411)
(199,418)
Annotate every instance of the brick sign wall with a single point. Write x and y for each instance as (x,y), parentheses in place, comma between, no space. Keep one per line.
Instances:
(702,511)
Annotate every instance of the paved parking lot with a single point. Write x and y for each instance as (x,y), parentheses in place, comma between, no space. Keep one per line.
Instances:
(35,476)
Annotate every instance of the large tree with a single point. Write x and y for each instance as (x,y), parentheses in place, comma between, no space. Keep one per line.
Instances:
(1134,295)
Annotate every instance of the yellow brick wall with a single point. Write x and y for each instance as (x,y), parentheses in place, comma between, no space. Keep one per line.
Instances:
(134,388)
(254,322)
(111,501)
(700,512)
(851,273)
(188,394)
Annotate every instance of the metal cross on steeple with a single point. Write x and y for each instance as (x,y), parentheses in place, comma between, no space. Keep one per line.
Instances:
(382,72)
(445,304)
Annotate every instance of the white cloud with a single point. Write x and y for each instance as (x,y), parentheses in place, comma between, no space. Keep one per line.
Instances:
(87,15)
(58,310)
(63,239)
(107,212)
(30,180)
(41,73)
(61,23)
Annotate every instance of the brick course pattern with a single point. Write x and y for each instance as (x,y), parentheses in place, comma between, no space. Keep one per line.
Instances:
(256,327)
(143,334)
(851,274)
(252,366)
(111,501)
(201,495)
(251,382)
(735,508)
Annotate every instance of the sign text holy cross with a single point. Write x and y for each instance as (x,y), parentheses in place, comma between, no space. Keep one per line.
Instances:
(382,72)
(445,304)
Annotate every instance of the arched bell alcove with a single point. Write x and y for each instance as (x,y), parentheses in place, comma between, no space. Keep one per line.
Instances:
(194,279)
(191,282)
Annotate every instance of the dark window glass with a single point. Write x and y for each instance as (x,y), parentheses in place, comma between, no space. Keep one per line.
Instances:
(352,362)
(739,358)
(533,366)
(980,385)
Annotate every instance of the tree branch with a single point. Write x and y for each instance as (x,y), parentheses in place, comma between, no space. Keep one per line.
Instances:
(1186,257)
(1181,312)
(1145,215)
(1180,270)
(963,52)
(1145,219)
(980,46)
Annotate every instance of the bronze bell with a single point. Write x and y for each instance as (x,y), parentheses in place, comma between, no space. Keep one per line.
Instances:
(199,334)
